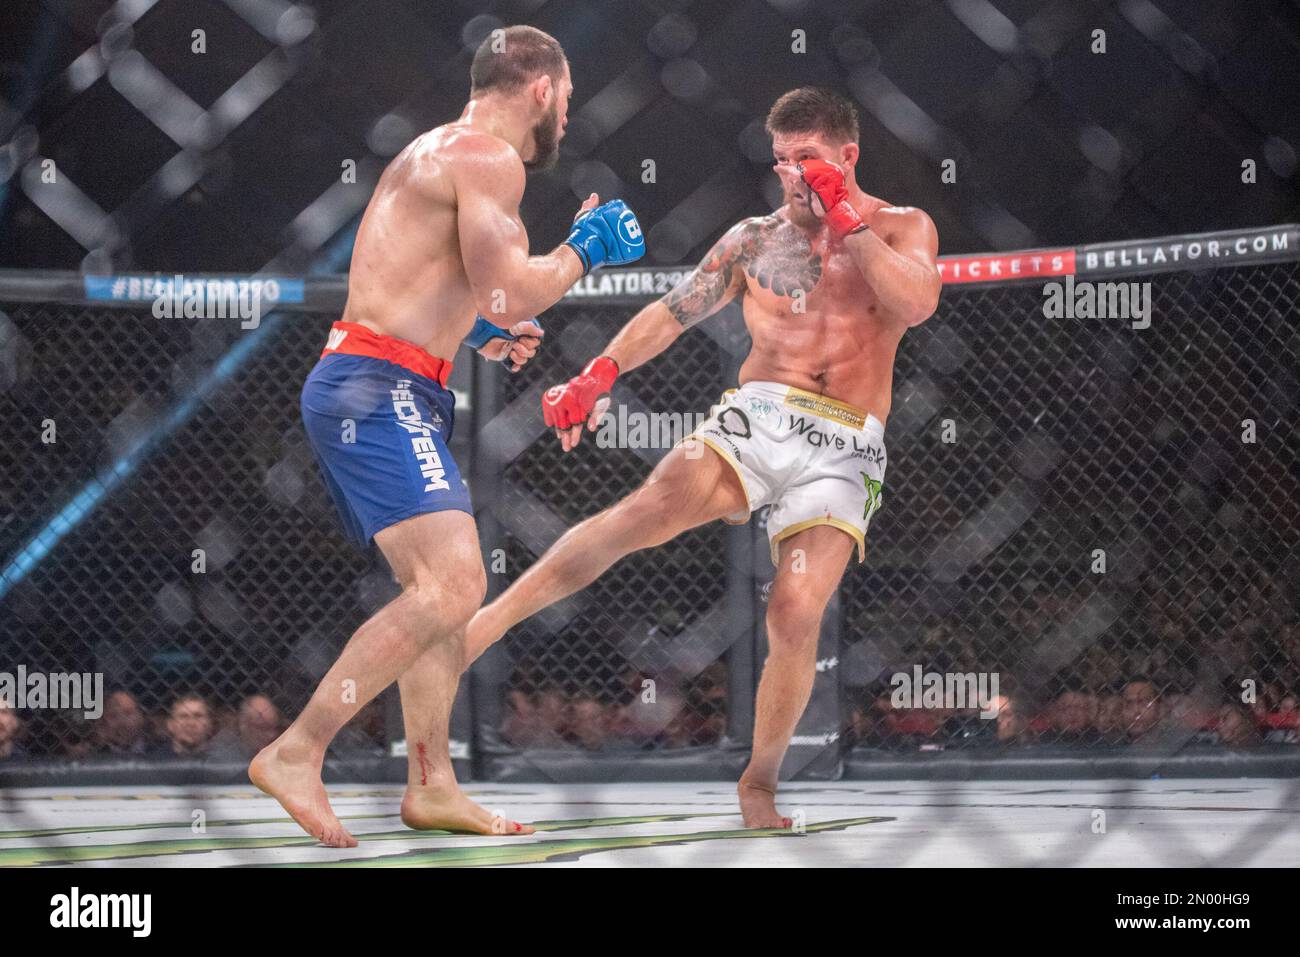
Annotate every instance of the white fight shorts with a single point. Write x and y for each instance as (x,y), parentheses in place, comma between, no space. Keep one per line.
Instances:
(815,460)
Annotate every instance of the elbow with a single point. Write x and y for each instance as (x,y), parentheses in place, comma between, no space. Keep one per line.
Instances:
(505,318)
(927,304)
(502,307)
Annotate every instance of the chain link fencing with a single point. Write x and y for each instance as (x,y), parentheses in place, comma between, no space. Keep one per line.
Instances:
(1103,517)
(1100,518)
(177,541)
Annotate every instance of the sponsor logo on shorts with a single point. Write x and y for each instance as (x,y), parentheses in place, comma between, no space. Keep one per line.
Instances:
(874,497)
(826,408)
(335,339)
(422,445)
(733,421)
(760,408)
(718,437)
(817,438)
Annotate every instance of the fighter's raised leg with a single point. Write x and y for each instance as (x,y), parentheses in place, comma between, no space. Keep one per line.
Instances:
(690,486)
(812,563)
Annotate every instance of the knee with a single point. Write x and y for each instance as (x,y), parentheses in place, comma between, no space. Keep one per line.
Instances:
(648,512)
(794,621)
(450,603)
(651,500)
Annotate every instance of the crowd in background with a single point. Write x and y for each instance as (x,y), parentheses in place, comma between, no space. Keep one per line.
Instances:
(1164,677)
(190,727)
(1164,671)
(1199,656)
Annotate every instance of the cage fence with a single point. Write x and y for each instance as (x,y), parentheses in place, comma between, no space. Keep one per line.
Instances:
(1098,521)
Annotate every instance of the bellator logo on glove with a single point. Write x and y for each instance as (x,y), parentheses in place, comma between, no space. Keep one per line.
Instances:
(829,197)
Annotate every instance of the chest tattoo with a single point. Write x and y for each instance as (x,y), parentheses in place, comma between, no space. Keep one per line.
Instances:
(783,261)
(774,253)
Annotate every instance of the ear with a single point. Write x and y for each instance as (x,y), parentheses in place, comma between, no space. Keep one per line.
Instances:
(543,90)
(849,154)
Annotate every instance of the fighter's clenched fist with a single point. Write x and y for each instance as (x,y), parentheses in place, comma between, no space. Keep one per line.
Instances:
(830,196)
(584,398)
(608,234)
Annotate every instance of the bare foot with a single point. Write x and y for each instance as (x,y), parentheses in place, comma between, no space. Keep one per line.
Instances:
(758,806)
(447,808)
(296,784)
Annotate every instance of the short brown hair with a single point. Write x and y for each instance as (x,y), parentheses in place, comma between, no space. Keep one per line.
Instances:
(814,109)
(512,57)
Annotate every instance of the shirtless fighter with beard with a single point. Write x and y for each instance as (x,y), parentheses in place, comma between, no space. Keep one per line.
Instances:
(829,283)
(440,240)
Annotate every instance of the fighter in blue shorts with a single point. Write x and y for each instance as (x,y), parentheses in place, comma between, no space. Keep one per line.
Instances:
(440,242)
(389,461)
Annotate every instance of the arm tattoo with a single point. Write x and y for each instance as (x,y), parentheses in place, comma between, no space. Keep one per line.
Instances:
(698,294)
(774,253)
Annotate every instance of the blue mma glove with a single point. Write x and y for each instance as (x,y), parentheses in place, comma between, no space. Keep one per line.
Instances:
(607,235)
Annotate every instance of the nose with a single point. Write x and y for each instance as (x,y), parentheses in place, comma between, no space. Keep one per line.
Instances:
(789,175)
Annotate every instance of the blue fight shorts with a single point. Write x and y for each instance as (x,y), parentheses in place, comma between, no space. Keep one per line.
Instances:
(379,417)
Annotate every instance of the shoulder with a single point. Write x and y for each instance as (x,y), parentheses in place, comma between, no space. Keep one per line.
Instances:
(909,220)
(469,159)
(747,233)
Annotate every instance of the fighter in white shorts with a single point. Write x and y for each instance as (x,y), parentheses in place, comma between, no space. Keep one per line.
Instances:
(828,285)
(816,461)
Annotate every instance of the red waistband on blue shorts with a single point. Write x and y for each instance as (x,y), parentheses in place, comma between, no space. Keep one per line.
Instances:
(354,339)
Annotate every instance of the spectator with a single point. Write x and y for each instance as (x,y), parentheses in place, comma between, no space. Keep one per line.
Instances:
(1236,727)
(536,720)
(587,723)
(11,727)
(520,725)
(1142,708)
(70,732)
(552,712)
(866,726)
(188,728)
(1008,726)
(120,730)
(1110,718)
(257,723)
(706,703)
(1011,723)
(1074,718)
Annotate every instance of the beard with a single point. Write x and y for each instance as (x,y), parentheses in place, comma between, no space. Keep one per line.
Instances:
(546,143)
(800,211)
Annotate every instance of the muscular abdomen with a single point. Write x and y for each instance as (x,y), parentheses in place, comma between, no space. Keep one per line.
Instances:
(849,357)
